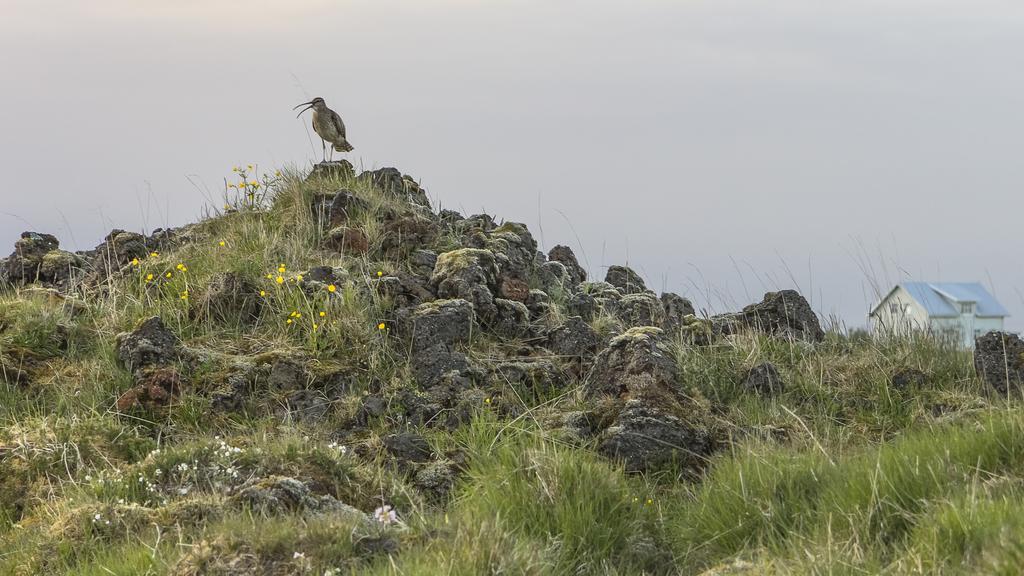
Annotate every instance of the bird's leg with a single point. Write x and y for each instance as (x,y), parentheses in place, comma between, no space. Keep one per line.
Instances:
(323,148)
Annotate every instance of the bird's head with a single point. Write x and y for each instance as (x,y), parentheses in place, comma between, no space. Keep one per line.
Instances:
(316,103)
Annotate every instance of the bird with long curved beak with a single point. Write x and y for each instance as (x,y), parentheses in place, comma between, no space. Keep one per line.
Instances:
(328,125)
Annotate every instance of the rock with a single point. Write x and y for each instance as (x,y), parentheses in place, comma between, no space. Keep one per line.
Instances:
(150,344)
(230,298)
(907,378)
(304,405)
(24,264)
(579,425)
(403,290)
(481,223)
(511,319)
(676,309)
(645,439)
(59,267)
(406,233)
(583,305)
(440,363)
(436,480)
(514,249)
(422,262)
(538,303)
(999,361)
(318,278)
(371,408)
(343,207)
(347,240)
(288,374)
(639,309)
(394,183)
(634,361)
(564,256)
(553,277)
(154,388)
(764,379)
(284,495)
(785,314)
(470,274)
(625,280)
(118,249)
(338,169)
(535,375)
(408,447)
(574,338)
(511,288)
(446,322)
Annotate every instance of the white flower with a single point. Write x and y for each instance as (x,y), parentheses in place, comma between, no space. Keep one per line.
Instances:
(298,555)
(88,478)
(385,515)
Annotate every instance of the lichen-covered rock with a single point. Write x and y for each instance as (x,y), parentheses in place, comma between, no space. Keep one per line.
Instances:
(511,319)
(565,256)
(436,480)
(470,274)
(151,343)
(285,495)
(645,438)
(337,169)
(538,375)
(625,279)
(343,207)
(785,314)
(553,277)
(118,249)
(638,309)
(514,249)
(288,374)
(511,288)
(447,322)
(763,379)
(583,305)
(574,339)
(676,309)
(538,303)
(422,262)
(59,267)
(23,265)
(229,297)
(999,361)
(439,364)
(405,233)
(634,361)
(403,289)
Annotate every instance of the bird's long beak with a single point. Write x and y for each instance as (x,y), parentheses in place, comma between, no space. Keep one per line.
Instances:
(307,105)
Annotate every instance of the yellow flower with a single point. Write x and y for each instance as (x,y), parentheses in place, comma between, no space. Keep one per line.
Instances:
(235,169)
(487,400)
(222,244)
(168,275)
(182,268)
(270,276)
(380,273)
(279,280)
(149,277)
(135,261)
(232,185)
(184,295)
(299,277)
(254,183)
(315,325)
(332,288)
(289,321)
(281,268)
(263,292)
(381,326)
(154,254)
(650,501)
(227,207)
(322,314)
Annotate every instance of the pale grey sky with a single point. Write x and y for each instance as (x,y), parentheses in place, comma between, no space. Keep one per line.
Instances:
(720,147)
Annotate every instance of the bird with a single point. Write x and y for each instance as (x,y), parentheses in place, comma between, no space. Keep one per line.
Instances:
(328,125)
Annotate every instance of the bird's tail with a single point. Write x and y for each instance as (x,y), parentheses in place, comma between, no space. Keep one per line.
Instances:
(343,146)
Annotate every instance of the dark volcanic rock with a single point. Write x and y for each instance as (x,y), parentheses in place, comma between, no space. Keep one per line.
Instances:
(150,344)
(574,338)
(440,363)
(553,277)
(637,360)
(639,309)
(447,322)
(785,314)
(583,305)
(403,289)
(347,240)
(514,250)
(625,280)
(999,361)
(646,438)
(154,388)
(511,319)
(565,256)
(406,233)
(423,262)
(538,303)
(344,206)
(764,379)
(392,181)
(436,480)
(336,169)
(540,375)
(907,378)
(37,257)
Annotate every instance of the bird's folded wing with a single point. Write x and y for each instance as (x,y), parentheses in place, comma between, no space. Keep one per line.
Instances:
(338,124)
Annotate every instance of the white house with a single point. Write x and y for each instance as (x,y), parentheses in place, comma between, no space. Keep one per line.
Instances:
(961,311)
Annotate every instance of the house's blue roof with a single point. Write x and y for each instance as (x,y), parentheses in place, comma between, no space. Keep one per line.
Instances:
(937,298)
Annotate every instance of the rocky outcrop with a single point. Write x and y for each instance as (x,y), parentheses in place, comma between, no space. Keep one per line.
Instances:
(574,339)
(38,258)
(565,256)
(785,314)
(151,343)
(391,181)
(676,309)
(999,361)
(638,309)
(645,437)
(433,330)
(470,274)
(625,280)
(763,379)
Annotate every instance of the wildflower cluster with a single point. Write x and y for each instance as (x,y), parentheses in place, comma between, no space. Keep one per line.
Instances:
(251,188)
(386,515)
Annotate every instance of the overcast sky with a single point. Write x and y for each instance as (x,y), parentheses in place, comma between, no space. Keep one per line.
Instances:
(720,147)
